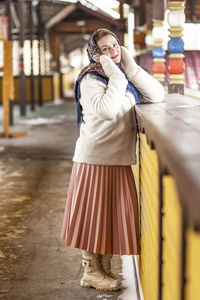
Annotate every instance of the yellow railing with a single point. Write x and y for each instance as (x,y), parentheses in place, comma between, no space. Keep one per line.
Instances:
(50,88)
(169,262)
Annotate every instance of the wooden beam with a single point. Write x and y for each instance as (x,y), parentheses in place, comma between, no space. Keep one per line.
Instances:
(149,14)
(121,23)
(14,15)
(142,12)
(40,100)
(54,43)
(8,14)
(60,16)
(89,27)
(32,90)
(22,83)
(159,9)
(98,14)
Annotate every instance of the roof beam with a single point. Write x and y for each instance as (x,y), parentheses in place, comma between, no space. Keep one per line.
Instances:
(89,27)
(98,14)
(14,15)
(60,16)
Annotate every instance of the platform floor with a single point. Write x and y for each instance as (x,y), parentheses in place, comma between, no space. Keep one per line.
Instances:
(34,176)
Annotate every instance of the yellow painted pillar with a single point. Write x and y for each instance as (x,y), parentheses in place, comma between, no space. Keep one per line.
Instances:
(172,241)
(149,204)
(192,272)
(8,90)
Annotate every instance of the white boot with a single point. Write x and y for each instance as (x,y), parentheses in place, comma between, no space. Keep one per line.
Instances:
(105,263)
(94,276)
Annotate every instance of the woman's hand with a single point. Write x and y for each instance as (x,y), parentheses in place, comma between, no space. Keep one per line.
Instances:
(109,67)
(128,63)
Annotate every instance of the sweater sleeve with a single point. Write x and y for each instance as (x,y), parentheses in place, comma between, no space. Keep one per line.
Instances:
(150,88)
(103,100)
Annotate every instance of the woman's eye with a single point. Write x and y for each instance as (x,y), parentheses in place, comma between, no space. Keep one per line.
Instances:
(115,45)
(105,49)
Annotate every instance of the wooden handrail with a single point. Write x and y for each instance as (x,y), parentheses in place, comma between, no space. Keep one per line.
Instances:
(173,129)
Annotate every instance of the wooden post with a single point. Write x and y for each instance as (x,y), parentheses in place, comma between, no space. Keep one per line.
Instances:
(142,12)
(55,50)
(8,14)
(47,48)
(176,19)
(121,22)
(8,88)
(22,79)
(40,100)
(32,94)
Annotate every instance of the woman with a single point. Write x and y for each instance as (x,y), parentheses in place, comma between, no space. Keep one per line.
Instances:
(101,215)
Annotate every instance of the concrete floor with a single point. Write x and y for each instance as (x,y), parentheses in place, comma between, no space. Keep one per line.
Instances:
(34,176)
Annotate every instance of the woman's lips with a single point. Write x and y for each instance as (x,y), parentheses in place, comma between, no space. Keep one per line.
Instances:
(114,57)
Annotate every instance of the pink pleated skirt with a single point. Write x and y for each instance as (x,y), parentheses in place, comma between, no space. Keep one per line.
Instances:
(101,214)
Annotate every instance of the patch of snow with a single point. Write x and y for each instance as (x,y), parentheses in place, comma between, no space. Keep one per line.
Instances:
(138,278)
(58,101)
(40,121)
(104,297)
(129,279)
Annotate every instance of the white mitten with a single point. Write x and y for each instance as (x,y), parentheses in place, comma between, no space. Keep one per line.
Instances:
(109,67)
(128,63)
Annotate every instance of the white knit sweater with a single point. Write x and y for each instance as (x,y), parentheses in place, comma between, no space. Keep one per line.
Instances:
(108,133)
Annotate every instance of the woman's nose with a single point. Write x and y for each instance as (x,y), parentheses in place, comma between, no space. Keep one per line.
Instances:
(112,50)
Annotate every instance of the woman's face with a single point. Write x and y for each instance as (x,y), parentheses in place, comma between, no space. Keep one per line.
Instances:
(109,46)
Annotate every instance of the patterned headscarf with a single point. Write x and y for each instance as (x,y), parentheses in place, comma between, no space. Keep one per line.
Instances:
(97,70)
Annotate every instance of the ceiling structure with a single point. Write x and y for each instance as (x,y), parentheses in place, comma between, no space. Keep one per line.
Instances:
(73,21)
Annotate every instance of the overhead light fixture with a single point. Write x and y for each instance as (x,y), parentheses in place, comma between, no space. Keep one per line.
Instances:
(80,23)
(86,37)
(35,2)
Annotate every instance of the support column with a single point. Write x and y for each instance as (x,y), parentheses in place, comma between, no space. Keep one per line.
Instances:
(158,52)
(131,27)
(7,81)
(47,52)
(121,22)
(8,14)
(55,50)
(32,90)
(22,79)
(40,100)
(142,12)
(54,43)
(176,19)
